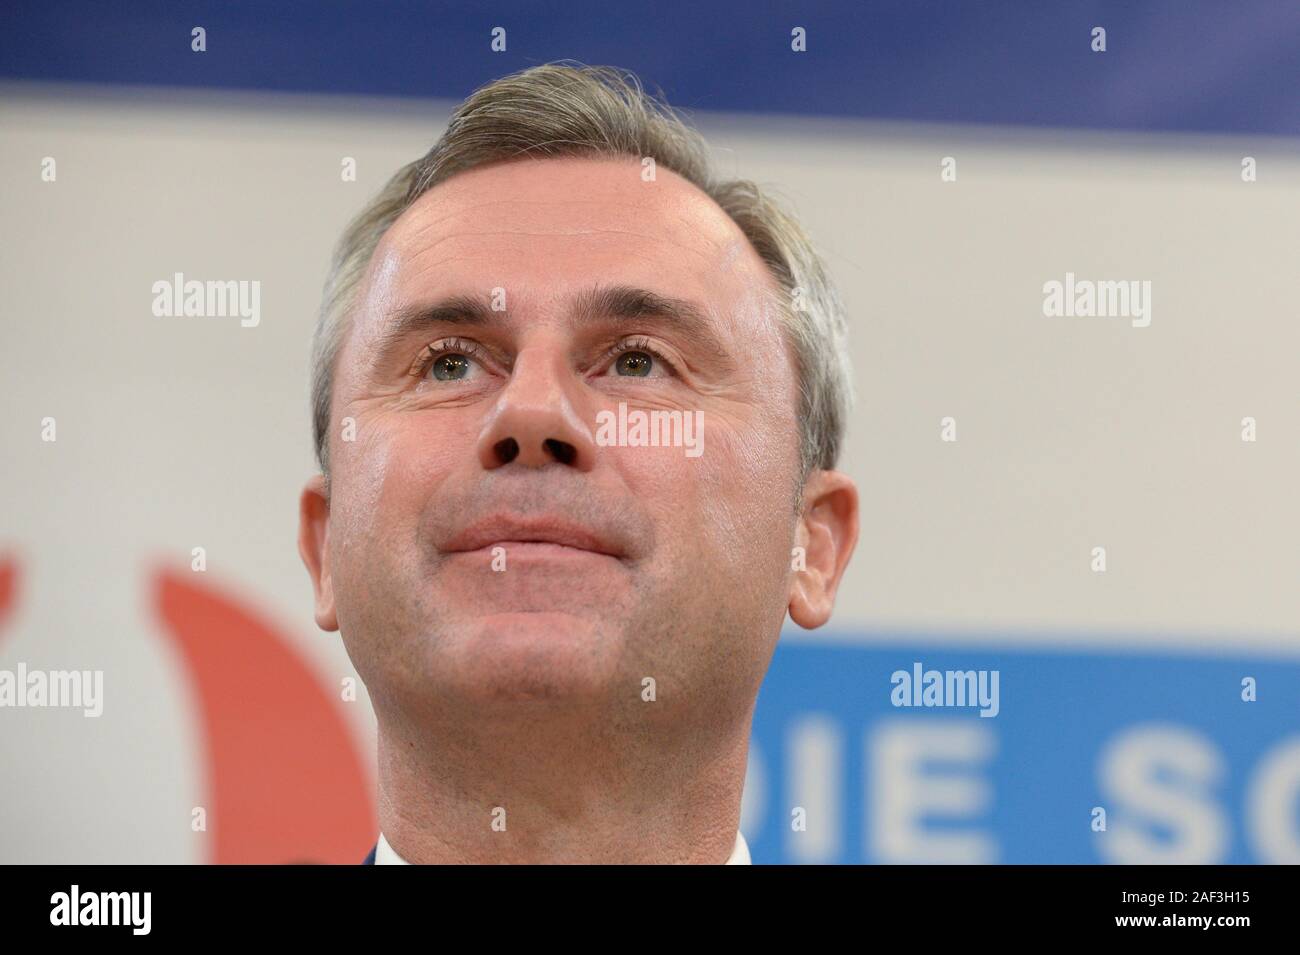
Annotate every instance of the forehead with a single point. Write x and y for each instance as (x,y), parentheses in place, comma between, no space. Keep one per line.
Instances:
(542,227)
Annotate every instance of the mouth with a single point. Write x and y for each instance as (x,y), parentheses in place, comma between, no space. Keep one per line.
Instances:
(540,537)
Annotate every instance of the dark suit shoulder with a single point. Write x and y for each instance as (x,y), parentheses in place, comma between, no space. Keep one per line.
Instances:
(370,859)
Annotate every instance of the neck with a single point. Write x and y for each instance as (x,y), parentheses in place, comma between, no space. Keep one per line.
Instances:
(583,787)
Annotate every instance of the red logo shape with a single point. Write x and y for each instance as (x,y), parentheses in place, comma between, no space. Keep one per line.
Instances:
(285,780)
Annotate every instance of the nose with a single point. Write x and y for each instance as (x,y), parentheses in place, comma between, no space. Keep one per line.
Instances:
(535,422)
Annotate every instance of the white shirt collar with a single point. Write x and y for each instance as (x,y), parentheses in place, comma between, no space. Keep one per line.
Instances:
(387,855)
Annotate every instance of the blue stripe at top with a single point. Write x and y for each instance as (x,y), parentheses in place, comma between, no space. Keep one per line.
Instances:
(1171,65)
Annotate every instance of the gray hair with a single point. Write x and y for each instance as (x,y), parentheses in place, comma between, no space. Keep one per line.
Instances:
(558,110)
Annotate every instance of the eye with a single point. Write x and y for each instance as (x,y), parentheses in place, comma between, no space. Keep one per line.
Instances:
(638,359)
(449,360)
(634,364)
(450,367)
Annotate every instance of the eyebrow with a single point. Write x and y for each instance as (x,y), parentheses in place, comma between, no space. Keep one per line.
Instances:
(686,319)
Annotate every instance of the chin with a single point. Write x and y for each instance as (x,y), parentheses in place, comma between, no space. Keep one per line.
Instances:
(533,656)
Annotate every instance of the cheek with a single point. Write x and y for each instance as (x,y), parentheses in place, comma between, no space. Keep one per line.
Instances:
(751,461)
(731,505)
(752,481)
(384,479)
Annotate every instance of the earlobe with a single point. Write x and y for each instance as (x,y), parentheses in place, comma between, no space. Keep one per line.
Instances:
(828,532)
(313,546)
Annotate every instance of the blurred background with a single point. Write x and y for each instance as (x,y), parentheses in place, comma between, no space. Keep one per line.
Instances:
(1163,691)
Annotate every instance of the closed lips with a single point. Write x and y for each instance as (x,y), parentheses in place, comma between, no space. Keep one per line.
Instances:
(504,532)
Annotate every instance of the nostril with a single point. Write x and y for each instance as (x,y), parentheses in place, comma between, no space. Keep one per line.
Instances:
(506,450)
(562,451)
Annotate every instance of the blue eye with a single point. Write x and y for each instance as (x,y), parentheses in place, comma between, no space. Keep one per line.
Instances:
(451,359)
(450,367)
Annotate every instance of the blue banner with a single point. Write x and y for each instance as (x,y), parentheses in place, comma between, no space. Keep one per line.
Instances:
(1185,65)
(925,753)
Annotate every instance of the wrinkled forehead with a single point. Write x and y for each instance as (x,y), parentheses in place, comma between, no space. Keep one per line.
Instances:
(542,228)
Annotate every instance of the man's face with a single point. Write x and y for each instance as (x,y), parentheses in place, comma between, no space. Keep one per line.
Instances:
(483,547)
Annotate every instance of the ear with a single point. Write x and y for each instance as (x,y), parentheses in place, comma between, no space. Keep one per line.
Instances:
(828,532)
(313,545)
